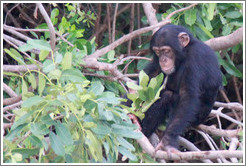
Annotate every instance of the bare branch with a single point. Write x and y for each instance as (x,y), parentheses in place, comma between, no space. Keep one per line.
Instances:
(12,100)
(150,14)
(19,68)
(8,90)
(218,132)
(235,106)
(224,42)
(50,25)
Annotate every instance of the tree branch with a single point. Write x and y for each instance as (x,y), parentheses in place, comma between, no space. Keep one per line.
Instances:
(224,42)
(50,25)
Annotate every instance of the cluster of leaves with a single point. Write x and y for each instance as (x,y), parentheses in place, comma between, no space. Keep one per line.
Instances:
(68,117)
(209,20)
(148,92)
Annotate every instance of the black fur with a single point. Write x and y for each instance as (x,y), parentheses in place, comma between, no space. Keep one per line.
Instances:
(191,90)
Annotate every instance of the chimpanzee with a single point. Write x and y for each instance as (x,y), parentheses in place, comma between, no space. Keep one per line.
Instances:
(194,79)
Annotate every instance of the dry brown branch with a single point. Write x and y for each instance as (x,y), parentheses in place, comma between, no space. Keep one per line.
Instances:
(224,42)
(8,90)
(19,68)
(232,105)
(109,23)
(12,100)
(218,132)
(148,148)
(219,113)
(190,146)
(20,35)
(50,25)
(150,14)
(114,22)
(131,28)
(233,146)
(11,107)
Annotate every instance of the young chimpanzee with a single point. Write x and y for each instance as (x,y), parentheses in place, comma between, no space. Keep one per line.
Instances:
(194,79)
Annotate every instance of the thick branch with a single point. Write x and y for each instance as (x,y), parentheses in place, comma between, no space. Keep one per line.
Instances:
(224,42)
(218,132)
(19,68)
(150,14)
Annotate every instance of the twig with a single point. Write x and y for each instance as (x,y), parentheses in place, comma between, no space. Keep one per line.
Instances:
(234,79)
(190,146)
(218,132)
(9,91)
(11,107)
(20,35)
(50,25)
(226,117)
(131,29)
(114,22)
(109,23)
(9,11)
(12,100)
(235,106)
(233,146)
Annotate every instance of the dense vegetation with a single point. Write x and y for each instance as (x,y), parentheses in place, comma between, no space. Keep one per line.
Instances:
(62,96)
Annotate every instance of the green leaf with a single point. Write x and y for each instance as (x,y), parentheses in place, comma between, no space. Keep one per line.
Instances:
(15,56)
(109,97)
(35,100)
(23,119)
(96,87)
(58,58)
(25,47)
(143,79)
(48,66)
(190,16)
(56,144)
(55,74)
(211,8)
(125,143)
(41,84)
(39,129)
(89,104)
(64,133)
(125,132)
(94,145)
(54,13)
(101,129)
(39,44)
(133,86)
(232,70)
(205,30)
(127,153)
(11,74)
(32,80)
(233,14)
(111,55)
(67,61)
(15,132)
(35,141)
(226,30)
(73,75)
(43,54)
(26,152)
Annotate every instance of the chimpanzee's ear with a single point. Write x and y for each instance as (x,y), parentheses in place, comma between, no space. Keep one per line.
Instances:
(184,39)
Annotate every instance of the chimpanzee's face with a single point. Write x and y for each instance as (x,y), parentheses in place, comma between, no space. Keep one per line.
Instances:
(166,58)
